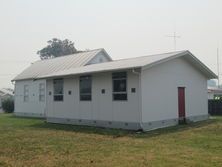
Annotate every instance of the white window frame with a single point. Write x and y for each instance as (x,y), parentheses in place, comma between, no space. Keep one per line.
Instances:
(119,92)
(58,94)
(41,92)
(83,94)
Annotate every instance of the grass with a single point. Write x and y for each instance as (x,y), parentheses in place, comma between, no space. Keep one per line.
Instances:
(32,142)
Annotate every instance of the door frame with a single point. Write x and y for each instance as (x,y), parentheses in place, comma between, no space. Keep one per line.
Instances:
(182,104)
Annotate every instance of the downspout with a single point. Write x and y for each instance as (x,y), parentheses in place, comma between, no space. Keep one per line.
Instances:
(140,94)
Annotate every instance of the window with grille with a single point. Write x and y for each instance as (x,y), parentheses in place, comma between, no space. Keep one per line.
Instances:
(85,86)
(41,92)
(119,86)
(58,89)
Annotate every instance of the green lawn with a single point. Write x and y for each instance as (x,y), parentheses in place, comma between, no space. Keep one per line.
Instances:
(32,142)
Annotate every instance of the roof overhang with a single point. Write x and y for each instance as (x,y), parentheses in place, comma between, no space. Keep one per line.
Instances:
(86,73)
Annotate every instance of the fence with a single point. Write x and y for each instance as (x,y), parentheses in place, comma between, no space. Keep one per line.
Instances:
(215,107)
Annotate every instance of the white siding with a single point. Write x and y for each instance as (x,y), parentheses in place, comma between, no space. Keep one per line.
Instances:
(33,107)
(102,107)
(160,91)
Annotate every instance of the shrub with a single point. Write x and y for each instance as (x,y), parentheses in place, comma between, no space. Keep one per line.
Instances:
(8,105)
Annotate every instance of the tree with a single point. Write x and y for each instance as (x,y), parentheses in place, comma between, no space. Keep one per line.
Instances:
(8,105)
(56,48)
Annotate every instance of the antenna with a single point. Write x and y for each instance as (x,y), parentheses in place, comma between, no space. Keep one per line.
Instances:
(218,67)
(174,36)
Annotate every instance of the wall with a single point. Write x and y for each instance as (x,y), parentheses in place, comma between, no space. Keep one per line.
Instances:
(33,107)
(101,108)
(160,92)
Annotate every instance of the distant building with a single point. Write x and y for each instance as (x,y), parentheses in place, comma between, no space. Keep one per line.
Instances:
(5,93)
(214,93)
(89,88)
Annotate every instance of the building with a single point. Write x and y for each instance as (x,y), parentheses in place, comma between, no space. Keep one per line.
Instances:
(5,93)
(140,93)
(30,92)
(214,93)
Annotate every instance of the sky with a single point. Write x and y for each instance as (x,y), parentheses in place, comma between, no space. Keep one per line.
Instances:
(124,28)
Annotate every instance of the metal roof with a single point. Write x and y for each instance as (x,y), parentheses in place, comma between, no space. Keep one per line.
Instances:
(138,62)
(49,66)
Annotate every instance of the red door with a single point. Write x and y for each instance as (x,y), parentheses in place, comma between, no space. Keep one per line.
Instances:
(181,104)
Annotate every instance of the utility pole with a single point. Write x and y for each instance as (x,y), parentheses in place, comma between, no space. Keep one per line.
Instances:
(174,36)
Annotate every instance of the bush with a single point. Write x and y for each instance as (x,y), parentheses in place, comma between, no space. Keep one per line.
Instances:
(8,105)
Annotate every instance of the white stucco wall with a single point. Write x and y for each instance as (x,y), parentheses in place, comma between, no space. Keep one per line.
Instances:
(33,107)
(160,91)
(102,107)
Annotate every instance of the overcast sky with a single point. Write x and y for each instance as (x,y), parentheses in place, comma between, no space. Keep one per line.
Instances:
(125,28)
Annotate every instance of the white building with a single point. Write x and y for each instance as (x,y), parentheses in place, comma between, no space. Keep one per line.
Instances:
(138,93)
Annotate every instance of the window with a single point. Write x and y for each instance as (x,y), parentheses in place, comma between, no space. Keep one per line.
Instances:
(85,86)
(26,93)
(58,89)
(119,86)
(42,92)
(133,90)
